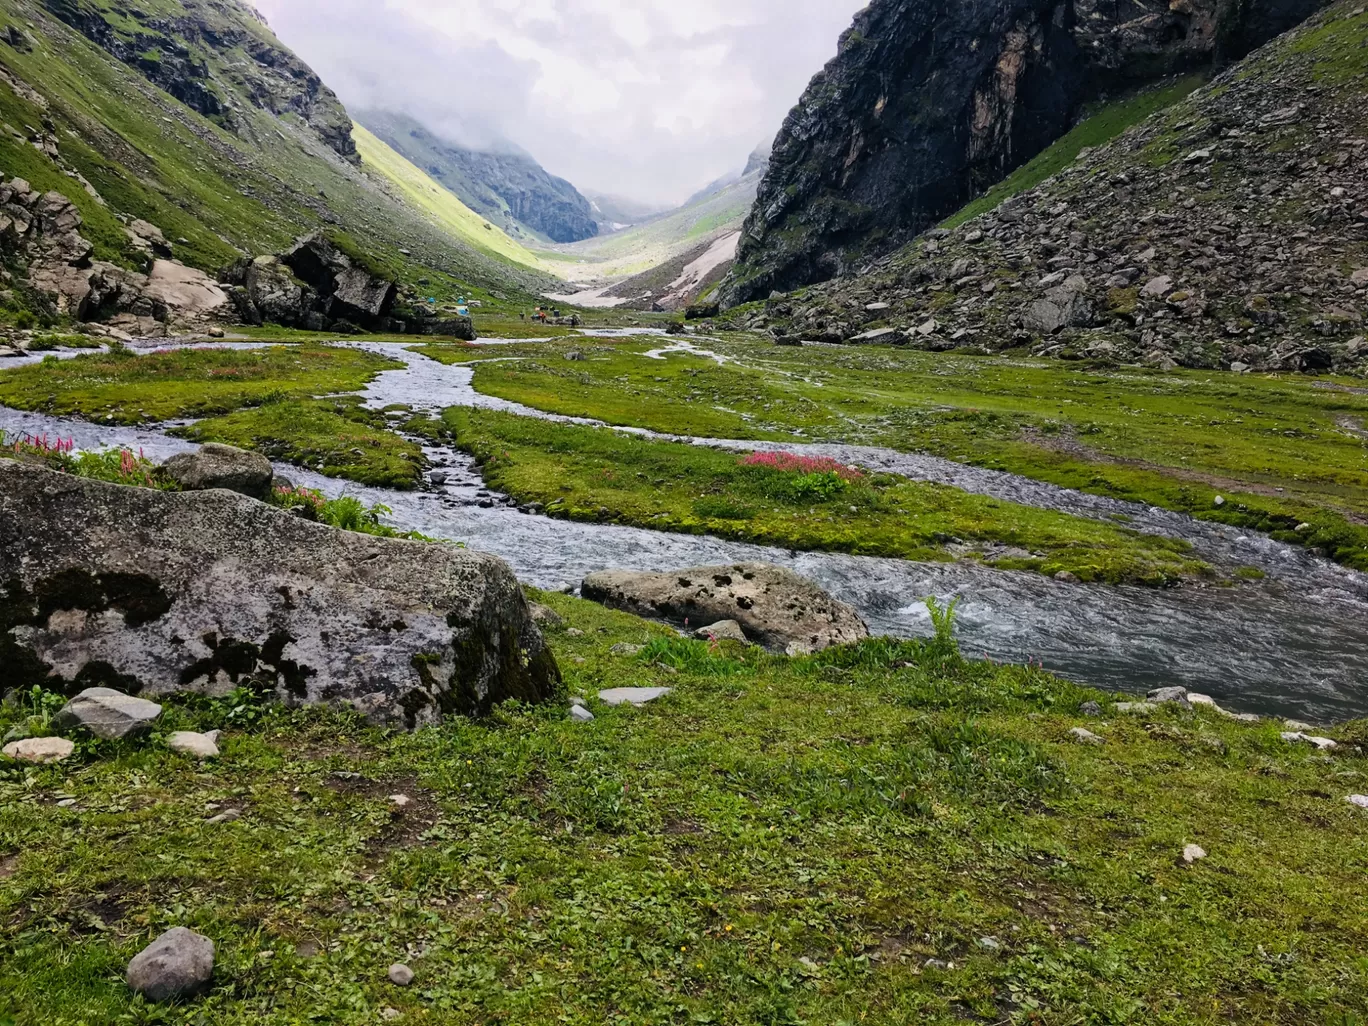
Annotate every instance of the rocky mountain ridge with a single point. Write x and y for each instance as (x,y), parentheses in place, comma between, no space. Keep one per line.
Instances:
(510,188)
(1229,231)
(213,55)
(927,105)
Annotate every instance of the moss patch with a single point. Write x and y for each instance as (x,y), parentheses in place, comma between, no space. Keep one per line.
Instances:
(598,475)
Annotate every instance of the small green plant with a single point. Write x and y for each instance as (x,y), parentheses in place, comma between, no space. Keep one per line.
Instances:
(346,513)
(944,647)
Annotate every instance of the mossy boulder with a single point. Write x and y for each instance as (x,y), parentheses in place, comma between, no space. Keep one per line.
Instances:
(152,593)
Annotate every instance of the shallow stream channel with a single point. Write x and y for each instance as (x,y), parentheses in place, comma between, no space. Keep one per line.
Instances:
(1293,645)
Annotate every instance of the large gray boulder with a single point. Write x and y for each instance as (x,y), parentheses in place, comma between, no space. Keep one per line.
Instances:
(773,606)
(153,593)
(108,714)
(222,466)
(178,964)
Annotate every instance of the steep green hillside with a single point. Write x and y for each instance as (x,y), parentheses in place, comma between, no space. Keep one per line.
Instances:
(443,206)
(508,186)
(242,159)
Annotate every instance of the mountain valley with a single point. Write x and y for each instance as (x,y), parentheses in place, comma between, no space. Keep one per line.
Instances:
(921,578)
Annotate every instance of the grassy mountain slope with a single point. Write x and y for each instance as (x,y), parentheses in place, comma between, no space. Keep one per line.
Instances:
(76,119)
(420,191)
(1228,230)
(508,187)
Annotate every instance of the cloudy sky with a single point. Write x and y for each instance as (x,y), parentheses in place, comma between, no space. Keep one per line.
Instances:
(649,99)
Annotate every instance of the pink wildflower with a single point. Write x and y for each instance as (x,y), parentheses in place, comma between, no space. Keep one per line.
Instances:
(787,462)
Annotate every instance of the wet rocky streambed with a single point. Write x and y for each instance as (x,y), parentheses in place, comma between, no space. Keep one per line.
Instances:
(1294,644)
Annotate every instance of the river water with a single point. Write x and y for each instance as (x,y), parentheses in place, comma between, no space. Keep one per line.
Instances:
(1295,644)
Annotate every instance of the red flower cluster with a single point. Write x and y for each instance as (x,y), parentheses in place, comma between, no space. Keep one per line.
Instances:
(789,463)
(44,445)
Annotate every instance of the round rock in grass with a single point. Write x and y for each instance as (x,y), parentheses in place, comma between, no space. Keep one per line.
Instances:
(400,975)
(725,630)
(178,964)
(222,466)
(579,714)
(108,714)
(197,746)
(40,750)
(775,607)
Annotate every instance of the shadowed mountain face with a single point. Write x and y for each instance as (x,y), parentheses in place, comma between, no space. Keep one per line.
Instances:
(213,57)
(509,188)
(928,104)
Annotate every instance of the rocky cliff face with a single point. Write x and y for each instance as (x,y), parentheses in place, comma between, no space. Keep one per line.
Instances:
(1229,231)
(213,56)
(509,188)
(927,104)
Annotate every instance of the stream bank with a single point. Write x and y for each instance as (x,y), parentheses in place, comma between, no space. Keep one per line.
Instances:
(1291,645)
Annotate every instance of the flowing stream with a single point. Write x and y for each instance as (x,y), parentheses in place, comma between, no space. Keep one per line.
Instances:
(1294,644)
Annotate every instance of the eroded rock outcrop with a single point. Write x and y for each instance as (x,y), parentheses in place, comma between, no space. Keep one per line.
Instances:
(40,236)
(197,57)
(773,606)
(151,593)
(314,285)
(928,103)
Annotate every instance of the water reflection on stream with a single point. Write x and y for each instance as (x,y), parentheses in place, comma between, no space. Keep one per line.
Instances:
(1295,644)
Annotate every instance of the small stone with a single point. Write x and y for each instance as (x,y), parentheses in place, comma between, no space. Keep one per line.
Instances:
(574,632)
(1360,800)
(1091,709)
(1064,577)
(1170,696)
(1297,725)
(178,964)
(199,746)
(544,616)
(400,800)
(66,803)
(40,750)
(1323,744)
(624,649)
(1136,707)
(577,702)
(579,714)
(1158,287)
(990,944)
(632,696)
(108,714)
(390,1014)
(228,816)
(726,630)
(400,975)
(1197,156)
(1192,853)
(1086,737)
(1219,502)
